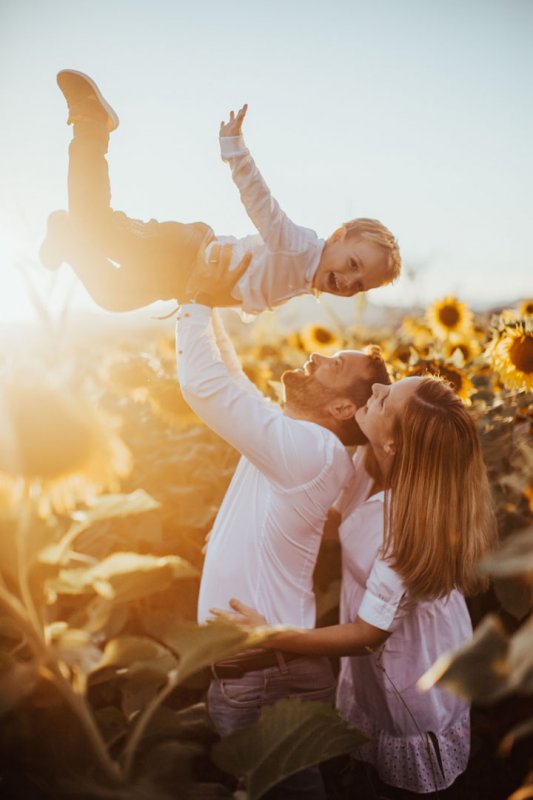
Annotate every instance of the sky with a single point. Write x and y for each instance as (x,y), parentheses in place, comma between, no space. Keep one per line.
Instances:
(416,112)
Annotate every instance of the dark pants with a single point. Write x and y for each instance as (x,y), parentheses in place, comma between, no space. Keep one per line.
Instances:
(155,259)
(237,702)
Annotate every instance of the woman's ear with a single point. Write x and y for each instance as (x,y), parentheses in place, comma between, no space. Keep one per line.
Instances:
(389,448)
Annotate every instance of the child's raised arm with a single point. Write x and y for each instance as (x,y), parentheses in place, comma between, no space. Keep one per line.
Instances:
(234,126)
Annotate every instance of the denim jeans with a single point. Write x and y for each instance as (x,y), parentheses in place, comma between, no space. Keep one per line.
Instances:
(155,258)
(237,702)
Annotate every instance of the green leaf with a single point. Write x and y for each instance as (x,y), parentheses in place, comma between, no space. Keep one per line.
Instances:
(105,507)
(521,731)
(478,670)
(122,576)
(198,646)
(73,646)
(520,659)
(17,681)
(289,736)
(136,654)
(514,557)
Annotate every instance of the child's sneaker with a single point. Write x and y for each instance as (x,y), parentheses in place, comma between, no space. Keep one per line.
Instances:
(52,251)
(84,99)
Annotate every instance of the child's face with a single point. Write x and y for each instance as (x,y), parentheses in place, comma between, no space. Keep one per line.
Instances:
(350,265)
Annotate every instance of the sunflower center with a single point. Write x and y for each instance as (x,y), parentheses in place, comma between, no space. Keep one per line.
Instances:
(521,354)
(50,438)
(323,336)
(449,316)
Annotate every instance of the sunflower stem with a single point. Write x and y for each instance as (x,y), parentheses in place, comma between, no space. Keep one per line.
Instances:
(142,723)
(80,707)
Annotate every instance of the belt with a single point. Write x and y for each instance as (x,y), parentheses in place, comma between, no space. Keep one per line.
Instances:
(240,666)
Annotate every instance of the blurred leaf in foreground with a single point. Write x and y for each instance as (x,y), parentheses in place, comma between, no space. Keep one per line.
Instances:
(289,736)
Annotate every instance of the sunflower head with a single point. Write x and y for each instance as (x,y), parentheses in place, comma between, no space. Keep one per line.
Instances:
(460,383)
(449,316)
(167,402)
(511,351)
(56,447)
(525,309)
(468,346)
(319,339)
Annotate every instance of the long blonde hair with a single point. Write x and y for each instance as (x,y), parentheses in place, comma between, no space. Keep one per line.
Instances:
(439,517)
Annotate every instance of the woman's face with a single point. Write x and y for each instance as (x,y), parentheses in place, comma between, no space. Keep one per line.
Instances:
(376,418)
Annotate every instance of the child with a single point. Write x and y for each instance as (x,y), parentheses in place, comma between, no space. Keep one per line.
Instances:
(156,259)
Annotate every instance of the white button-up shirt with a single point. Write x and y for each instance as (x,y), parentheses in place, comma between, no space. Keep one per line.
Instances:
(265,539)
(285,256)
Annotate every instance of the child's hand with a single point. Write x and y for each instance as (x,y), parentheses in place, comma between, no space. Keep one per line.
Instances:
(234,126)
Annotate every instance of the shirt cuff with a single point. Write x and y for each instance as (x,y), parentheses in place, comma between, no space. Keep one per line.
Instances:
(377,612)
(231,146)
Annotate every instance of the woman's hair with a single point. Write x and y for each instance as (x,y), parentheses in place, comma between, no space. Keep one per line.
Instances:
(374,231)
(439,518)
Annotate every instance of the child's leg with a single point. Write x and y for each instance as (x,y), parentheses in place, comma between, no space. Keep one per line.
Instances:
(155,258)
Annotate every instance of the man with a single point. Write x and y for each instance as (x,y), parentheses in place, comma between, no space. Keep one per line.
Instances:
(266,537)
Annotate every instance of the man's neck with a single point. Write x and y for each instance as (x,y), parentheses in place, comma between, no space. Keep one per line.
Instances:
(325,422)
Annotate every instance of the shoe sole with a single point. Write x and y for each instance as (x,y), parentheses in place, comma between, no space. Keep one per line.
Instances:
(112,116)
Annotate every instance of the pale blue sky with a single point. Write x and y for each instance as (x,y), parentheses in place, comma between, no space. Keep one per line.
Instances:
(417,112)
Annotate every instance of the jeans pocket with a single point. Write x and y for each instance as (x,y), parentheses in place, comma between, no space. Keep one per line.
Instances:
(242,692)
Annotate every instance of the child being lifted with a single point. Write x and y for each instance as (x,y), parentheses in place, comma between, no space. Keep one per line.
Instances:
(156,259)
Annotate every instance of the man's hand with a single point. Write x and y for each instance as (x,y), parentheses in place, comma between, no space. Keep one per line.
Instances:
(211,282)
(234,126)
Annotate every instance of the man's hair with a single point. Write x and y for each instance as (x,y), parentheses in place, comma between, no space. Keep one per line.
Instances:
(439,518)
(359,391)
(374,231)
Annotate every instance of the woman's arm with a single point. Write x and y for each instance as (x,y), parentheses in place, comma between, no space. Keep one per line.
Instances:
(357,638)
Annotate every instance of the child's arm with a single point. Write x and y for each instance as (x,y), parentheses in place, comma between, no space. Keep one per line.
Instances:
(275,227)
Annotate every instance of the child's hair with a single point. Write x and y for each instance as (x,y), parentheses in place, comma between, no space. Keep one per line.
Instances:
(375,231)
(439,520)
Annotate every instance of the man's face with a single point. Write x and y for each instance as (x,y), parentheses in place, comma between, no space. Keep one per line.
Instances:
(351,264)
(324,378)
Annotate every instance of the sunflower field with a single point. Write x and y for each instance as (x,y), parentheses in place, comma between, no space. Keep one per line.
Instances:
(109,485)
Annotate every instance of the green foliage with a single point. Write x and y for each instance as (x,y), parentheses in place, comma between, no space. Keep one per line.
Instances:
(289,736)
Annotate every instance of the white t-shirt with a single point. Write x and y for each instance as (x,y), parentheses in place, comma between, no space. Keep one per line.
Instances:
(265,540)
(285,256)
(377,693)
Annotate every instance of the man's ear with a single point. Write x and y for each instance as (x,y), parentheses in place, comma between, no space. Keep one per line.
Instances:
(338,235)
(342,408)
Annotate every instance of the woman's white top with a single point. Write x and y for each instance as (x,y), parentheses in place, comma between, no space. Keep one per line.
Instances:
(420,741)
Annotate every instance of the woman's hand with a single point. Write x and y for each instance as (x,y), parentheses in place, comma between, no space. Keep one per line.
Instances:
(211,282)
(234,126)
(243,615)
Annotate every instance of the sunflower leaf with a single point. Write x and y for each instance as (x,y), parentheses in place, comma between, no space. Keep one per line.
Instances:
(289,736)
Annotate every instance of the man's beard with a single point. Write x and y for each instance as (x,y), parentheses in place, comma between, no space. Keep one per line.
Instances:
(304,394)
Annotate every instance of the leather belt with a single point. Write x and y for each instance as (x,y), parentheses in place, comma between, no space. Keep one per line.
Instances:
(240,666)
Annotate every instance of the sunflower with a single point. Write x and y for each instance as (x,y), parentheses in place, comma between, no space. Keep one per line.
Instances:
(130,374)
(449,316)
(318,339)
(525,309)
(468,346)
(416,332)
(167,402)
(259,373)
(460,383)
(56,448)
(511,351)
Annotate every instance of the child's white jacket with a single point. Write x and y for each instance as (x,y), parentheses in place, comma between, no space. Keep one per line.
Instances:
(285,256)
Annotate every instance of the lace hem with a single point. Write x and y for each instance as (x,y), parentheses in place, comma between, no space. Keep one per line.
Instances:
(411,762)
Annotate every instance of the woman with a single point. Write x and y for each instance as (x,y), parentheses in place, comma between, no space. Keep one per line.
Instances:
(418,519)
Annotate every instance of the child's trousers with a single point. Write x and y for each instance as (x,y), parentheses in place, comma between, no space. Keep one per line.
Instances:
(155,259)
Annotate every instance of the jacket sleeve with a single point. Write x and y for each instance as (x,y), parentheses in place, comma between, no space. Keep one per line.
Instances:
(276,229)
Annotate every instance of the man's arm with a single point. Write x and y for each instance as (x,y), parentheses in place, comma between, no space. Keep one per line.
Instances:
(257,429)
(275,227)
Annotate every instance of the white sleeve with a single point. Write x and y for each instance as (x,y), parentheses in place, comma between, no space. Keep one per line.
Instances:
(385,600)
(231,359)
(276,229)
(273,442)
